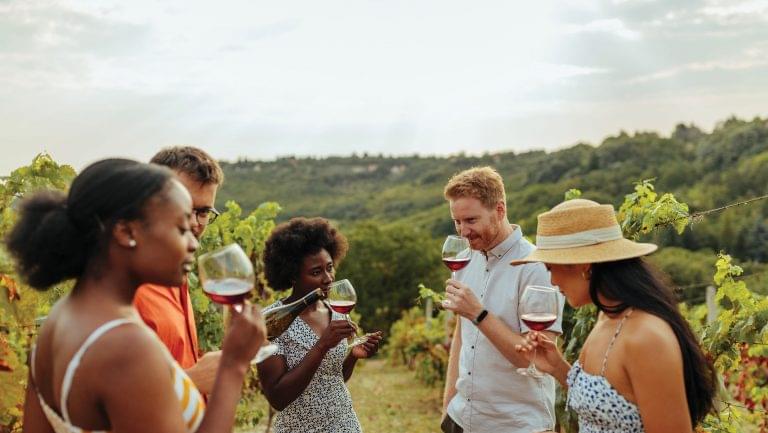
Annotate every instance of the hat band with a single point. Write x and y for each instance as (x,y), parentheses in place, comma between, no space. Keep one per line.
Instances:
(579,239)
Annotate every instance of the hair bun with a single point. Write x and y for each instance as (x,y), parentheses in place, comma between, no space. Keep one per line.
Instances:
(47,245)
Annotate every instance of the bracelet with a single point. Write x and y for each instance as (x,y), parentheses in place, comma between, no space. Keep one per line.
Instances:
(480,317)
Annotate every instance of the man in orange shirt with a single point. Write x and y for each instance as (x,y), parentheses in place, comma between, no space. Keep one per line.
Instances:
(168,310)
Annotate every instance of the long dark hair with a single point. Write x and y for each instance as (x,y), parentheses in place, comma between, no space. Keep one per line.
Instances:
(57,234)
(634,283)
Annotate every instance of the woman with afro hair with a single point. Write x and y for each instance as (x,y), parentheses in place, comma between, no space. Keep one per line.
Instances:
(305,379)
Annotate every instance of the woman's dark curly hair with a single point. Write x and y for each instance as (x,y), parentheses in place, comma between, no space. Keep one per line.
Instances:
(294,240)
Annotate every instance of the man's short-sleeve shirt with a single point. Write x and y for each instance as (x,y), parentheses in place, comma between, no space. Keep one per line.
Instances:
(491,396)
(168,311)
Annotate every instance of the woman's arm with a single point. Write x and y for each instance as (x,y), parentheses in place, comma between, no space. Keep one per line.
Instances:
(548,356)
(136,385)
(34,418)
(348,367)
(654,364)
(282,386)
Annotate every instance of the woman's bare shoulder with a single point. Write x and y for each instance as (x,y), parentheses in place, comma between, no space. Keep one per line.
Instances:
(647,334)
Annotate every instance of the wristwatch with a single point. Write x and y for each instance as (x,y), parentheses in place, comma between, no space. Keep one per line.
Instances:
(480,317)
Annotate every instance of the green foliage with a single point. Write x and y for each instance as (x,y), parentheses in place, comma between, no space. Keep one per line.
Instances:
(250,233)
(427,293)
(738,343)
(419,343)
(20,305)
(689,271)
(572,194)
(642,211)
(384,264)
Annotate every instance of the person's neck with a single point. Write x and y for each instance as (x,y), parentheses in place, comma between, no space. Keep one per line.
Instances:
(506,229)
(106,287)
(611,303)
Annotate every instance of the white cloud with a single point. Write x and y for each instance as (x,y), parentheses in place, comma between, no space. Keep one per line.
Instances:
(91,78)
(736,10)
(612,26)
(750,58)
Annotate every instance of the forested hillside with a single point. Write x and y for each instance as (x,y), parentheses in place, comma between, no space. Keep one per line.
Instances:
(393,206)
(705,170)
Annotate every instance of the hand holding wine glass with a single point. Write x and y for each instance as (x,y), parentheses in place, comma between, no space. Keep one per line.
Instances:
(537,308)
(342,299)
(461,300)
(541,349)
(245,334)
(336,331)
(227,278)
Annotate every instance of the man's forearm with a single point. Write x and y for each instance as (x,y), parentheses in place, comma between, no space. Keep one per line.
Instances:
(452,372)
(503,339)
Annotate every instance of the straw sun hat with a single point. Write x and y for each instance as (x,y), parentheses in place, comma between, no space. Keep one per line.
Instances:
(582,231)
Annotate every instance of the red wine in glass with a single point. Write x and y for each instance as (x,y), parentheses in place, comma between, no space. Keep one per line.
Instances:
(342,307)
(228,291)
(227,278)
(456,253)
(537,308)
(342,299)
(456,264)
(538,321)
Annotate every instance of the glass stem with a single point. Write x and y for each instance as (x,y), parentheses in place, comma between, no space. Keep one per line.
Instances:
(349,319)
(532,366)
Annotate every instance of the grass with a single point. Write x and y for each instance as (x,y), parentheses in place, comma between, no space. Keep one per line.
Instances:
(389,399)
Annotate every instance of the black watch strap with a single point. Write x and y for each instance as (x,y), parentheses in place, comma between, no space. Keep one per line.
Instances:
(480,317)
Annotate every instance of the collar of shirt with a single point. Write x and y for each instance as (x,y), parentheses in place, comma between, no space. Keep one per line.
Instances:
(507,244)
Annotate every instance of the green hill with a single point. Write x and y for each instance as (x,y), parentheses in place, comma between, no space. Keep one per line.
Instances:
(396,193)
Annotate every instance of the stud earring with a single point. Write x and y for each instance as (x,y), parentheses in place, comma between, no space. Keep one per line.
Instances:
(132,243)
(586,274)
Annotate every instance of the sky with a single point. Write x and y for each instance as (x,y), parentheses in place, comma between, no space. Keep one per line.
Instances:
(88,79)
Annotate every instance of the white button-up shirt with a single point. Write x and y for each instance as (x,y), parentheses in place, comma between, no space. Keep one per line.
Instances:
(491,396)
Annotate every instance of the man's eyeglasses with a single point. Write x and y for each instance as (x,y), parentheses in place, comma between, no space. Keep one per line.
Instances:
(205,215)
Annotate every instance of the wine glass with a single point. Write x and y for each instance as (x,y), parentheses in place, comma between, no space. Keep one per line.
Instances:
(342,299)
(227,278)
(538,308)
(456,253)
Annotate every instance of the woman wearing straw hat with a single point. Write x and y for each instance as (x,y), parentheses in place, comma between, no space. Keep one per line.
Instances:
(641,369)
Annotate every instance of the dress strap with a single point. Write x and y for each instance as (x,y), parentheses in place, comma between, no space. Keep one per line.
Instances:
(75,361)
(32,361)
(613,340)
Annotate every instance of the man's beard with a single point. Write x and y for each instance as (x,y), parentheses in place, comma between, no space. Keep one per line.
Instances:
(488,241)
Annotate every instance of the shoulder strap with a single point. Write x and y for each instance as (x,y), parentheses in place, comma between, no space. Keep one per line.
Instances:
(32,361)
(613,340)
(75,361)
